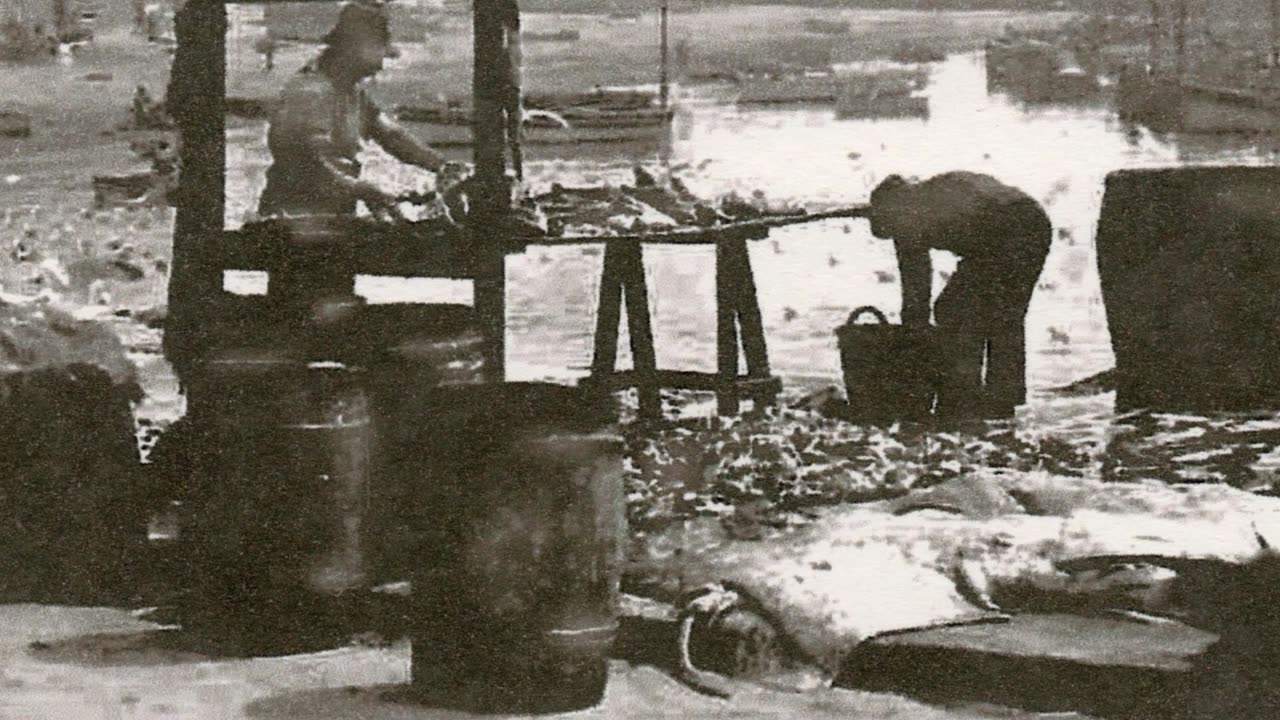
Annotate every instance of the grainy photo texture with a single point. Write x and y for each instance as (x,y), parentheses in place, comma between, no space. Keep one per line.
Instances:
(392,359)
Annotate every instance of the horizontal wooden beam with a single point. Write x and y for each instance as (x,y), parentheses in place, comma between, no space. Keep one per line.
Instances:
(729,232)
(688,380)
(438,250)
(363,247)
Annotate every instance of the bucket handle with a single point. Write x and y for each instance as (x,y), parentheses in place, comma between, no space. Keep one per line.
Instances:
(867,309)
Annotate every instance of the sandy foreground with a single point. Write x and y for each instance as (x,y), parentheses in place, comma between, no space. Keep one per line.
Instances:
(101,663)
(81,662)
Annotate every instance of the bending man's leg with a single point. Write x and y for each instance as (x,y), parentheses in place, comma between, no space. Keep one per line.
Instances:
(1006,377)
(961,342)
(960,376)
(1006,381)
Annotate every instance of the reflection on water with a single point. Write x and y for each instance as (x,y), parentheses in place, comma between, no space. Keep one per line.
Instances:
(811,276)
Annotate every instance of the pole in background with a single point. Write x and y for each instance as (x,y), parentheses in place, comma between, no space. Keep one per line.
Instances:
(1275,34)
(1153,52)
(664,74)
(1180,41)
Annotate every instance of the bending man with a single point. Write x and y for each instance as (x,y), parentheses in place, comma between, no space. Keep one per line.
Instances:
(1002,237)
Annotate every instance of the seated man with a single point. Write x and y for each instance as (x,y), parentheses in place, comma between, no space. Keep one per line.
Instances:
(1002,237)
(324,113)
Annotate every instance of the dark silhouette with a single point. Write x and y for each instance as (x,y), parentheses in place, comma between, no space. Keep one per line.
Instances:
(1002,237)
(323,114)
(1187,259)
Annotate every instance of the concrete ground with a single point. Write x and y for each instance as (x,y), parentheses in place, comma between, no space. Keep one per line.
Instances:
(102,663)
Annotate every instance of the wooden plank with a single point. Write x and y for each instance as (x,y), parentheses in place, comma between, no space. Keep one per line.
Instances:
(491,81)
(745,230)
(1049,663)
(726,331)
(490,292)
(687,380)
(196,91)
(747,307)
(357,246)
(604,359)
(635,289)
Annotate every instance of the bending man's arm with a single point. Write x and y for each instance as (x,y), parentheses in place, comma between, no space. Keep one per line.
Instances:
(916,271)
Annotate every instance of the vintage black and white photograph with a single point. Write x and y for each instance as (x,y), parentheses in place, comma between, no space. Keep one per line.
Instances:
(835,359)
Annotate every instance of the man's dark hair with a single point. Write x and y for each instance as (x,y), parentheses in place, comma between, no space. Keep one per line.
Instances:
(887,188)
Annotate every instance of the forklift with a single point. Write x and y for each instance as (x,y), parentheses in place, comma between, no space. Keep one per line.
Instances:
(333,448)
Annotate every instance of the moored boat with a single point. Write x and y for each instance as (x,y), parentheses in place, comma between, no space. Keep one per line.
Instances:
(566,35)
(1037,71)
(1164,104)
(819,88)
(451,126)
(1202,92)
(827,27)
(883,93)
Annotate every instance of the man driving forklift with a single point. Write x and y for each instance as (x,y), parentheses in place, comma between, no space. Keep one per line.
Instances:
(323,114)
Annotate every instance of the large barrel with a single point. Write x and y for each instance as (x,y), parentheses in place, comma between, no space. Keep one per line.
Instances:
(1188,260)
(520,550)
(275,515)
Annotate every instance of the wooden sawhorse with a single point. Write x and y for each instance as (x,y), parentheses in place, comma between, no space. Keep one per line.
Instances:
(737,321)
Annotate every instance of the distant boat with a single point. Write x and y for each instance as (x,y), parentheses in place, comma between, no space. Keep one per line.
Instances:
(882,105)
(309,22)
(14,124)
(568,35)
(1183,99)
(1037,71)
(617,99)
(592,122)
(807,88)
(1165,105)
(827,27)
(883,94)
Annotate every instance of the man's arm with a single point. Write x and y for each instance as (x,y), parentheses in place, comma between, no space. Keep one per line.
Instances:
(322,148)
(401,144)
(359,189)
(916,271)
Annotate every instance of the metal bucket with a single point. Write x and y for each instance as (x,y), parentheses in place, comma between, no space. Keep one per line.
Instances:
(519,591)
(890,371)
(275,515)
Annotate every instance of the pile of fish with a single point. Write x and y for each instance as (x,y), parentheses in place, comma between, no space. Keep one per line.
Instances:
(652,203)
(649,205)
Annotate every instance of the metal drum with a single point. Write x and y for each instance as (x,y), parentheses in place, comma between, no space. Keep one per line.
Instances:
(518,592)
(275,514)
